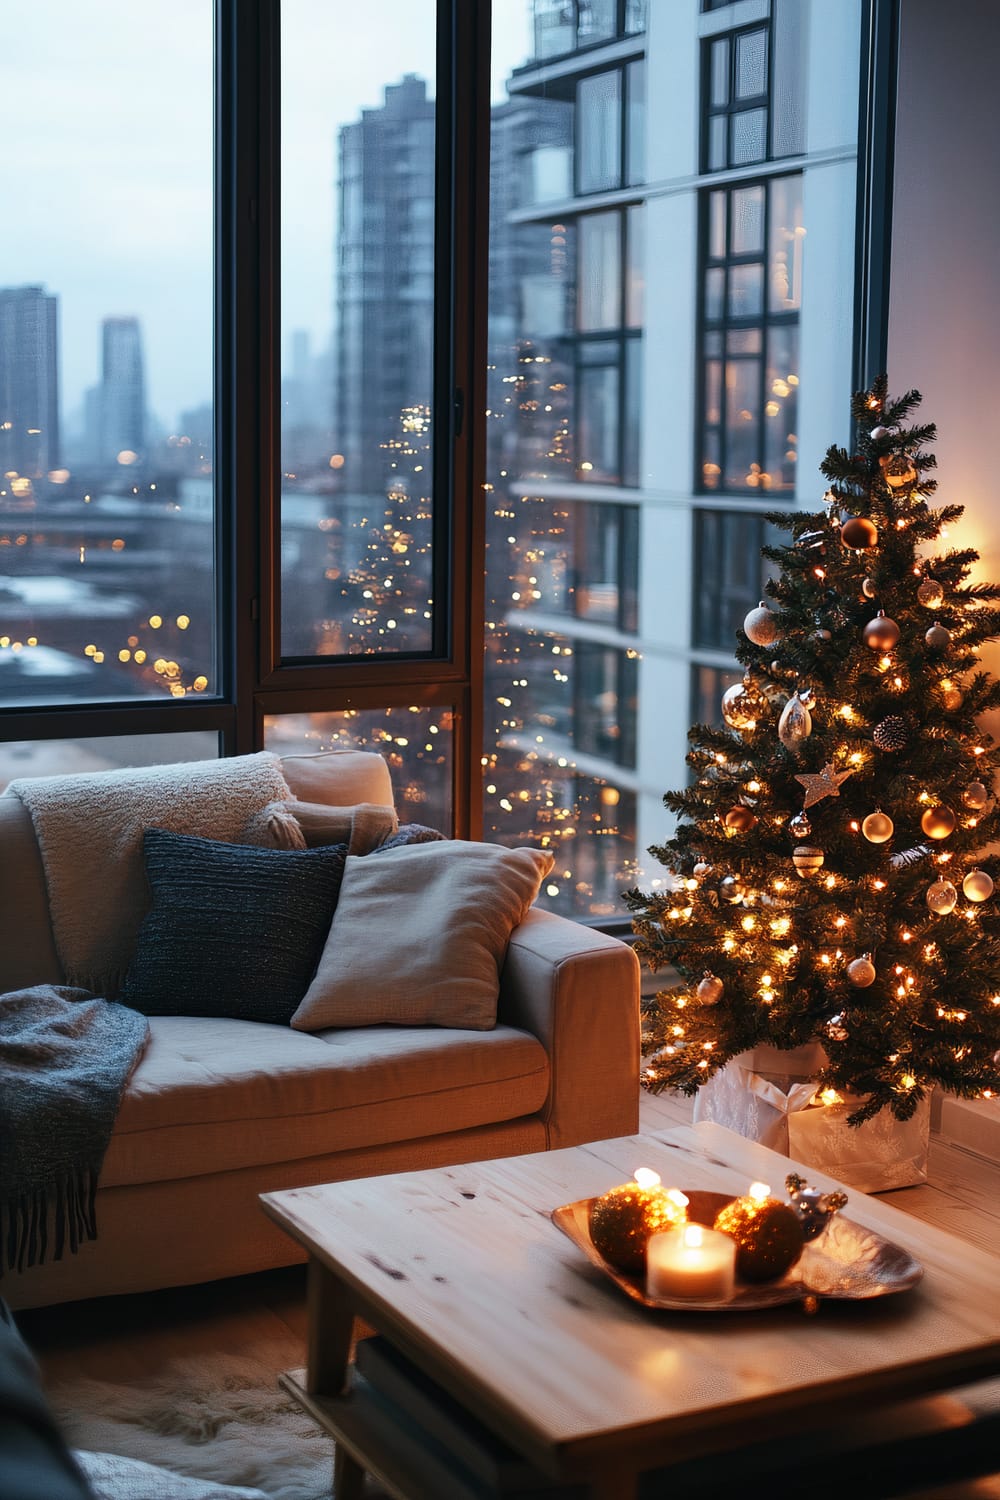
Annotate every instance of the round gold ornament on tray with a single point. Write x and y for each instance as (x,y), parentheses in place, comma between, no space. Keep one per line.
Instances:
(769,1234)
(622,1219)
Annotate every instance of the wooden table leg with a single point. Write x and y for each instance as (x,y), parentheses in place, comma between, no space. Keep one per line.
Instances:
(331,1322)
(348,1476)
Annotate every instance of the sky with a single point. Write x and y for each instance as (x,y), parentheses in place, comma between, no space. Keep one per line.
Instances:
(106,175)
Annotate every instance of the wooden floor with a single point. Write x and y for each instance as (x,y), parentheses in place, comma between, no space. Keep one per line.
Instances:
(125,1337)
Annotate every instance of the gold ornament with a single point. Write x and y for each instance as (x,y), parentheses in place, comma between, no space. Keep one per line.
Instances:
(975,795)
(877,827)
(740,707)
(881,634)
(938,637)
(825,783)
(930,593)
(768,1233)
(861,972)
(938,821)
(941,897)
(795,724)
(977,885)
(897,470)
(808,860)
(740,818)
(760,626)
(857,532)
(710,989)
(622,1220)
(868,588)
(951,694)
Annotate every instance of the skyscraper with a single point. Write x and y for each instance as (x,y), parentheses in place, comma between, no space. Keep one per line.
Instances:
(29,383)
(385,276)
(123,390)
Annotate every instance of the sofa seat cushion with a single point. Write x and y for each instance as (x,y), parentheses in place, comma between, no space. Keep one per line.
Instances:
(213,1095)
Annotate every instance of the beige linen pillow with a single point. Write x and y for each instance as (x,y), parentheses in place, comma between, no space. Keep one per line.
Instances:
(362,827)
(419,935)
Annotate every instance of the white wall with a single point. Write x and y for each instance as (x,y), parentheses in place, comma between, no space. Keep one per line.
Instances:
(944,324)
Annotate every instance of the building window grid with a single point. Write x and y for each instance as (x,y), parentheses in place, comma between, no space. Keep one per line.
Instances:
(585,354)
(562,27)
(721,119)
(631,78)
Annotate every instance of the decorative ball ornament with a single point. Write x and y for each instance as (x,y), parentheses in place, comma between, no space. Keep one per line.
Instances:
(795,724)
(760,626)
(877,827)
(701,869)
(768,1233)
(938,821)
(710,989)
(740,707)
(977,885)
(975,795)
(878,432)
(938,637)
(731,889)
(897,470)
(930,594)
(808,860)
(861,972)
(881,634)
(800,827)
(836,1030)
(622,1220)
(890,734)
(951,694)
(857,532)
(868,588)
(740,818)
(941,897)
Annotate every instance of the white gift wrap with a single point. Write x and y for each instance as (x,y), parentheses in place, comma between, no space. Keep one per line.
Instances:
(766,1095)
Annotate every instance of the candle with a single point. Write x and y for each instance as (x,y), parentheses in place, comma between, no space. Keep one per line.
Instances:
(690,1263)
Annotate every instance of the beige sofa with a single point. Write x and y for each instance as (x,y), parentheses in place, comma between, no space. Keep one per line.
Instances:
(218,1110)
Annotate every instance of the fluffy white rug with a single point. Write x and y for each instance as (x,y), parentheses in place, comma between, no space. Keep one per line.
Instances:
(223,1418)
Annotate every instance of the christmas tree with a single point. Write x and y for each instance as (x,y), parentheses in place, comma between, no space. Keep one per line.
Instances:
(829,873)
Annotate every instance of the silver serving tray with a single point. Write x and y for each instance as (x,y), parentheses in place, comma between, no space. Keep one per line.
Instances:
(845,1262)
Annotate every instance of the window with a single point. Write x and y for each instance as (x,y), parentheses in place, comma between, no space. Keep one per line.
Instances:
(257,441)
(732,573)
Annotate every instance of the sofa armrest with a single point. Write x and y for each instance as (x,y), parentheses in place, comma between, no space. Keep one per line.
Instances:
(577,990)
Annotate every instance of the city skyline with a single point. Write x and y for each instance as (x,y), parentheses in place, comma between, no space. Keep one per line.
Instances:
(135,240)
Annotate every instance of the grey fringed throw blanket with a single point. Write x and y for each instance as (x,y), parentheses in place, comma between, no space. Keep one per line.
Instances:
(65,1059)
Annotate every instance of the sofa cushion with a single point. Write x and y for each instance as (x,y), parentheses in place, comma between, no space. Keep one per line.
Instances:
(232,930)
(340,778)
(211,1095)
(27,947)
(362,827)
(419,935)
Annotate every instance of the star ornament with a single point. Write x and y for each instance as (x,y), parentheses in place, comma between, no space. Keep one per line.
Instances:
(825,783)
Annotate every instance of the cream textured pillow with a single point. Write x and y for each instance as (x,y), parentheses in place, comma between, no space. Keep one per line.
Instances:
(419,935)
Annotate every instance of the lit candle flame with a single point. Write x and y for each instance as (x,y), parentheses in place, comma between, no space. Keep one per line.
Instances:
(676,1196)
(759,1191)
(693,1237)
(647,1178)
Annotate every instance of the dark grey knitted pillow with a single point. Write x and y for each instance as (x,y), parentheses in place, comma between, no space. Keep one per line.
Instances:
(233,930)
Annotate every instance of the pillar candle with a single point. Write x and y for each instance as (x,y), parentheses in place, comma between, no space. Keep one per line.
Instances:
(691,1262)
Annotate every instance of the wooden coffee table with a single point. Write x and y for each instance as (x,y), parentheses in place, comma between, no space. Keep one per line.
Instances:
(462,1270)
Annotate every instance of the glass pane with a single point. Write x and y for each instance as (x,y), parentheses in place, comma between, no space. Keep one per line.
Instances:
(597,20)
(604,703)
(107,522)
(742,422)
(751,64)
(749,137)
(707,687)
(357,425)
(719,70)
(716,225)
(103,753)
(711,468)
(417,744)
(713,343)
(635,269)
(748,220)
(780,406)
(713,391)
(635,123)
(790,70)
(746,291)
(787,236)
(598,562)
(555,28)
(597,459)
(632,415)
(715,286)
(717,131)
(635,16)
(598,132)
(744,341)
(599,283)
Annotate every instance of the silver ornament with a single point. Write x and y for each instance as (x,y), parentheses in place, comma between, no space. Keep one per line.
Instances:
(975,795)
(836,1030)
(795,724)
(710,989)
(813,1206)
(760,626)
(800,827)
(941,897)
(861,972)
(930,593)
(878,432)
(938,636)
